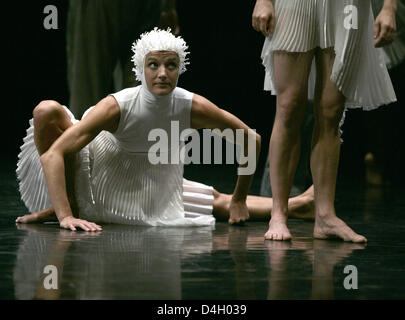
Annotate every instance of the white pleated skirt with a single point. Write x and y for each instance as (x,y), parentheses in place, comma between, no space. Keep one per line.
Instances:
(359,70)
(114,186)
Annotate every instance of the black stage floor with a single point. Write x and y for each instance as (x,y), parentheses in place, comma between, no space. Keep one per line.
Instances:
(224,262)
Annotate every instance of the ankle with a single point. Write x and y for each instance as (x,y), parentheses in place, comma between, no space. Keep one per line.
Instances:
(279,217)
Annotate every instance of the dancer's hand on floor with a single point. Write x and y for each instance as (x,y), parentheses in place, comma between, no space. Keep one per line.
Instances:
(72,222)
(238,212)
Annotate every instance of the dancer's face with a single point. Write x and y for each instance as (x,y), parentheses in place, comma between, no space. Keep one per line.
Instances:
(161,71)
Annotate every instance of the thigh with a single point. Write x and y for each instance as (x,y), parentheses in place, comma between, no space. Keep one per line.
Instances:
(291,72)
(326,92)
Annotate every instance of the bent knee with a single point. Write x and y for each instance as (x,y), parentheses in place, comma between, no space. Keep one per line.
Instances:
(51,112)
(47,109)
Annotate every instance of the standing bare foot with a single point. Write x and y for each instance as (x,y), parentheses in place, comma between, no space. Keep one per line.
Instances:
(278,230)
(333,227)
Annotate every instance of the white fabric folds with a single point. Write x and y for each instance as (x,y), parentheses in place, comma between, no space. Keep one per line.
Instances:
(113,185)
(359,69)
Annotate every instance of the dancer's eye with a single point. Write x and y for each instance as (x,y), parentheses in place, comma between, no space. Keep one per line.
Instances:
(152,65)
(172,65)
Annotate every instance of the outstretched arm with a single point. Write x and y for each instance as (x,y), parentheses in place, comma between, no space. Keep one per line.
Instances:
(205,114)
(104,116)
(385,24)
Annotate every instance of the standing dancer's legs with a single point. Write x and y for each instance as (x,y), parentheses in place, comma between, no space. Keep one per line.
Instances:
(50,121)
(328,110)
(291,80)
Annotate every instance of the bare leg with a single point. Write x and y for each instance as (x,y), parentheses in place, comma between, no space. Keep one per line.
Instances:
(50,121)
(300,207)
(329,106)
(291,75)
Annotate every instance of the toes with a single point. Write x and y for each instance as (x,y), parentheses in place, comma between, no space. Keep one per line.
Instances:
(21,220)
(268,236)
(352,236)
(277,236)
(287,237)
(359,239)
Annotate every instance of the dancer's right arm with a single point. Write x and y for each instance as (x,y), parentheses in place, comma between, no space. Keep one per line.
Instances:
(104,116)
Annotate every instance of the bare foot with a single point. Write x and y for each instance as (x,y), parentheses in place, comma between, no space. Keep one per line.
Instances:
(28,218)
(303,208)
(38,217)
(303,205)
(277,230)
(333,227)
(238,212)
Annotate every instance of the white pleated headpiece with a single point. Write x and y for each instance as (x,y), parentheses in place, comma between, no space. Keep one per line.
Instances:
(158,40)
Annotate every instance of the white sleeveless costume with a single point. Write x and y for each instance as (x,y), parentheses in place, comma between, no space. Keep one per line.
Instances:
(359,69)
(115,181)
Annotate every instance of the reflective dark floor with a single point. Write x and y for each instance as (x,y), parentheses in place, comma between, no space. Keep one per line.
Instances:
(224,262)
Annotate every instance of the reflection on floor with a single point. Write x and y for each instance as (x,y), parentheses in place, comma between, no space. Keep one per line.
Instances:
(224,262)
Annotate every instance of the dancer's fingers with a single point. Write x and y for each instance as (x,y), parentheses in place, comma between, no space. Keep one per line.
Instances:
(377,27)
(90,226)
(272,24)
(264,23)
(97,227)
(84,226)
(255,23)
(94,227)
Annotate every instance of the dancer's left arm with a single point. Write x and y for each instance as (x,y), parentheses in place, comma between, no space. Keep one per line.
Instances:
(385,24)
(205,114)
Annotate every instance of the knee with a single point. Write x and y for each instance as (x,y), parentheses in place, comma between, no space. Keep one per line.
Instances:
(330,113)
(290,110)
(47,110)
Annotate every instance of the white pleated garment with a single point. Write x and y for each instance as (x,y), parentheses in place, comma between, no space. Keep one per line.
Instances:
(114,185)
(359,69)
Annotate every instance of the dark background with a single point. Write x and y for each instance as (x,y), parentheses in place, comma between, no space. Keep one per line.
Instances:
(225,67)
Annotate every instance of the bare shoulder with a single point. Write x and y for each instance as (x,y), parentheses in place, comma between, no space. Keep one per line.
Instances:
(198,102)
(202,105)
(110,106)
(105,114)
(204,113)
